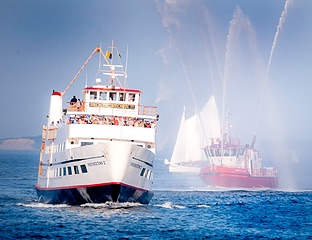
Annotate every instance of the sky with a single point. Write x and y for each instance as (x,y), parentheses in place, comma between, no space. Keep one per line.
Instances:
(180,53)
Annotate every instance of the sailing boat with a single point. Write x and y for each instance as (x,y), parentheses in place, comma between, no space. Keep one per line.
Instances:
(188,155)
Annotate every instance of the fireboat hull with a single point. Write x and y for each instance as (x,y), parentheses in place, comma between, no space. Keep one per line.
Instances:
(237,178)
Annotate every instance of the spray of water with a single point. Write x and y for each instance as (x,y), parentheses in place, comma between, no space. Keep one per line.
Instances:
(207,32)
(282,20)
(238,24)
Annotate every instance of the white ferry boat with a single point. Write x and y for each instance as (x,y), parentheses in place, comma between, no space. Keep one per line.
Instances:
(101,148)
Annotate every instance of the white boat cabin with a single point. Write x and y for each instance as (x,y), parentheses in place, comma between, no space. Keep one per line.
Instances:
(233,154)
(110,100)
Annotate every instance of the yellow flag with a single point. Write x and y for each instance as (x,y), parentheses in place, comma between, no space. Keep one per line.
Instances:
(108,55)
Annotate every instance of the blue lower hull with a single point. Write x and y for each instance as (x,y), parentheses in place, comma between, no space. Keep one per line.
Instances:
(94,194)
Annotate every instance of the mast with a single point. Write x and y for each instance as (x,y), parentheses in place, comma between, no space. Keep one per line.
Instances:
(111,63)
(113,71)
(223,118)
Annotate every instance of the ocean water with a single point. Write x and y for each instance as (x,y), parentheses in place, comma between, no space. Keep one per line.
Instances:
(182,208)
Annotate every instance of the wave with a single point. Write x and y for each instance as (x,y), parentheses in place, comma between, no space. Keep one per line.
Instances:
(223,189)
(169,205)
(42,205)
(203,206)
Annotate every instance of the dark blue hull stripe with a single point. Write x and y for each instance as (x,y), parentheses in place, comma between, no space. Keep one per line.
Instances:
(88,158)
(140,160)
(94,194)
(73,160)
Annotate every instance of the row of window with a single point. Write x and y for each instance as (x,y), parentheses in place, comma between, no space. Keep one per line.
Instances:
(114,96)
(59,172)
(226,152)
(64,171)
(146,173)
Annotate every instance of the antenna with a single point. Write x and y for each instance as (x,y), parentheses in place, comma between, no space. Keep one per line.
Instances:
(126,69)
(126,62)
(100,57)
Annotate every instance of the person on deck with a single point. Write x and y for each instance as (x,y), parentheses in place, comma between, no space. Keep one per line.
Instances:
(73,100)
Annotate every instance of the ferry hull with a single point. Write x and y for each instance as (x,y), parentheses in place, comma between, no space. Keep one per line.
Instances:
(236,178)
(116,172)
(113,192)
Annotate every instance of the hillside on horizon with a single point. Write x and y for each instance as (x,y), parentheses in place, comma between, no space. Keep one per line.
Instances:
(22,143)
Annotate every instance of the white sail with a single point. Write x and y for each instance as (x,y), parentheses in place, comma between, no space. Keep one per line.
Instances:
(194,134)
(180,152)
(210,119)
(194,142)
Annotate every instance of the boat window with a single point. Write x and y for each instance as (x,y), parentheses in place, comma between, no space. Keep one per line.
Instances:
(93,95)
(142,172)
(209,153)
(226,152)
(233,152)
(122,96)
(206,152)
(112,96)
(64,171)
(60,172)
(69,170)
(241,151)
(83,168)
(76,170)
(149,175)
(217,153)
(146,173)
(86,143)
(131,97)
(103,95)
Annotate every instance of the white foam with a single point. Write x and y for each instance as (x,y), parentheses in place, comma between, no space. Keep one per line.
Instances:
(43,205)
(169,205)
(111,205)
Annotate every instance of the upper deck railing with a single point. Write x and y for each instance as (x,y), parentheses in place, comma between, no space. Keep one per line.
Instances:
(142,109)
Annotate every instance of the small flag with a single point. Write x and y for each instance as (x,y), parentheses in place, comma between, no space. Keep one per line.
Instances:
(119,55)
(108,55)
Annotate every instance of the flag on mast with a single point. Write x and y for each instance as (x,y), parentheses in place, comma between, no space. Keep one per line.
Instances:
(108,54)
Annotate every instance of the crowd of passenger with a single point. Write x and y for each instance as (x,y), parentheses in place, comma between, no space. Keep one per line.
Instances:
(111,120)
(105,120)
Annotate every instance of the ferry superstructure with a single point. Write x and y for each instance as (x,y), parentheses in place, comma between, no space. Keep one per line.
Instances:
(101,148)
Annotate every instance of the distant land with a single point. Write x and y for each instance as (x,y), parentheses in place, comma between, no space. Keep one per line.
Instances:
(22,143)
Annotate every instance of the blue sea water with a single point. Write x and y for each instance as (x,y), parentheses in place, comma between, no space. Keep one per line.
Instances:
(182,208)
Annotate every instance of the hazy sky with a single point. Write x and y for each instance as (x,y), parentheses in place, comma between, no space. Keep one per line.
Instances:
(180,52)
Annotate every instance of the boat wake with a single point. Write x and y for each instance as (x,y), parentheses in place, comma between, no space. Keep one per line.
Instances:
(42,205)
(107,205)
(111,205)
